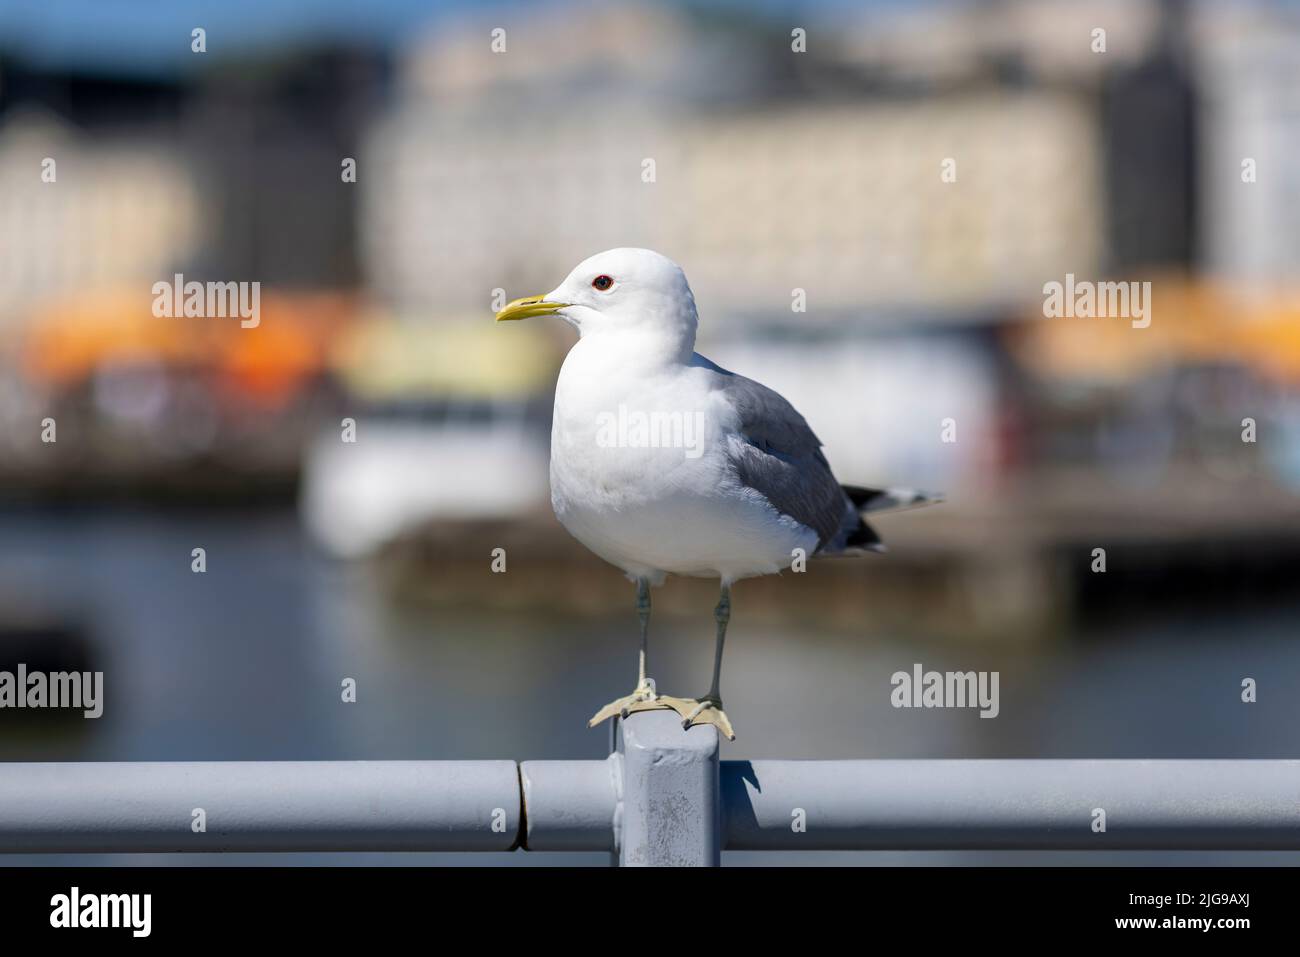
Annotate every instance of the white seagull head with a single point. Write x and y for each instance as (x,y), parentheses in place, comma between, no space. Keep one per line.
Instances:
(637,294)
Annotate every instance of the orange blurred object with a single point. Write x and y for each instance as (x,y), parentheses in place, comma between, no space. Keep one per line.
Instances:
(1191,321)
(69,340)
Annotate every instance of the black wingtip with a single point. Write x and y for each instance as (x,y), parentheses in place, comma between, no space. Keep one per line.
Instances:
(887,499)
(864,537)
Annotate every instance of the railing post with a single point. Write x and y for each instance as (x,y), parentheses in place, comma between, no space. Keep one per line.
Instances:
(671,810)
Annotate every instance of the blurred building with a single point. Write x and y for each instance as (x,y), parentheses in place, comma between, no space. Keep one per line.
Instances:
(496,170)
(109,184)
(117,210)
(1250,82)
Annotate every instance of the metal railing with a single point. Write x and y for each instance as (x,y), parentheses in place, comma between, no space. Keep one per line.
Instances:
(662,797)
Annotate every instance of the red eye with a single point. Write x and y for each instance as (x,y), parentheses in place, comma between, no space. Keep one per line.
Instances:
(602,283)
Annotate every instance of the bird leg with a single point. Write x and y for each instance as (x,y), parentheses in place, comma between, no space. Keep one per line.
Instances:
(708,709)
(643,697)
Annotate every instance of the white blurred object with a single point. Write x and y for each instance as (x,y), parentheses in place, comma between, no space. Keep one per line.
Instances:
(399,474)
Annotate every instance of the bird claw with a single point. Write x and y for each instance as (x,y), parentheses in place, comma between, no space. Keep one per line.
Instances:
(706,710)
(644,698)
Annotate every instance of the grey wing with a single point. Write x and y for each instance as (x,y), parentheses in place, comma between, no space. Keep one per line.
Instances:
(781,459)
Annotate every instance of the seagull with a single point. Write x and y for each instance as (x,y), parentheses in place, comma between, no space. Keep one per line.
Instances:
(663,462)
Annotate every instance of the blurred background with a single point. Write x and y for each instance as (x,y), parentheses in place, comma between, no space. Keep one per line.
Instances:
(481,174)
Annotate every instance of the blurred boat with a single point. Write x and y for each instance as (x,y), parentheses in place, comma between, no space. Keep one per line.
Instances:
(451,424)
(453,460)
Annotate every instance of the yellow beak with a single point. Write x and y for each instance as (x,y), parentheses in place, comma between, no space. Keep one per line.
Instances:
(528,307)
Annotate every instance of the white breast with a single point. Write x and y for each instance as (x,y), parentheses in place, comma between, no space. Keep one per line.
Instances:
(639,472)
